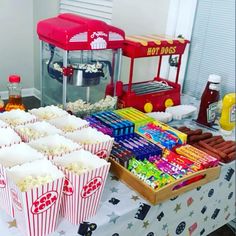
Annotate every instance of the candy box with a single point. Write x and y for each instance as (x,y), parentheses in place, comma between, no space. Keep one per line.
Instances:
(163,134)
(92,140)
(137,117)
(84,183)
(37,207)
(119,125)
(16,154)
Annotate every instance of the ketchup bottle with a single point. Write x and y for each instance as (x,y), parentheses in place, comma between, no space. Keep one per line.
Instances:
(14,89)
(209,101)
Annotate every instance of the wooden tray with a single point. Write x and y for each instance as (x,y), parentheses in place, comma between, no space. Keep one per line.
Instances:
(171,190)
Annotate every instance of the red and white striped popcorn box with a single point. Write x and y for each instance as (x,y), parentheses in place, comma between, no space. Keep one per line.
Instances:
(9,157)
(3,124)
(54,145)
(37,210)
(8,137)
(36,130)
(69,123)
(48,112)
(17,117)
(5,198)
(93,140)
(82,193)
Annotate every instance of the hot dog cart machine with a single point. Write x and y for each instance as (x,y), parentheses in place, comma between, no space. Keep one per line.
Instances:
(80,58)
(159,93)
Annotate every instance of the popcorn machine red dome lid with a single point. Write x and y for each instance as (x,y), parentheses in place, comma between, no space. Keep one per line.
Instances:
(73,32)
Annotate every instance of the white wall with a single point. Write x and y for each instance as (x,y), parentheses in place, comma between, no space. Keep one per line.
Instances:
(42,9)
(19,44)
(140,17)
(16,44)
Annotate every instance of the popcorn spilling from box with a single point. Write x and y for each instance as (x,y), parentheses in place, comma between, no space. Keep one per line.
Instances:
(16,154)
(48,112)
(8,137)
(85,179)
(69,123)
(92,140)
(17,117)
(37,201)
(36,130)
(54,145)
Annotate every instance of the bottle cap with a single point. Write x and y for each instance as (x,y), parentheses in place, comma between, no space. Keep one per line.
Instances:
(14,79)
(214,78)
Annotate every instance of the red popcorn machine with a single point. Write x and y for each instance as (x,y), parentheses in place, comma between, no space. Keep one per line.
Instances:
(80,59)
(159,93)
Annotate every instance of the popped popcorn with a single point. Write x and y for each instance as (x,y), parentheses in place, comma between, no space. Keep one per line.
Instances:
(30,182)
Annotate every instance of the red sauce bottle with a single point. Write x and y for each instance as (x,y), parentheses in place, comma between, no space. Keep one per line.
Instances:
(209,101)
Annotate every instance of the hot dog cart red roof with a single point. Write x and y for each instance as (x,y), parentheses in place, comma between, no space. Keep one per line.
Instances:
(73,32)
(153,45)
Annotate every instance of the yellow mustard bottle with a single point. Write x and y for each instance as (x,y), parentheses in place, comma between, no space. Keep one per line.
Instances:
(228,115)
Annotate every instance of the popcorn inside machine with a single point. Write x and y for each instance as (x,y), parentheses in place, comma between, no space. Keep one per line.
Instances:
(80,62)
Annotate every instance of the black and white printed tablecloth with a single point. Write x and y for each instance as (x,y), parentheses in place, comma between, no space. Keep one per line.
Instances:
(122,212)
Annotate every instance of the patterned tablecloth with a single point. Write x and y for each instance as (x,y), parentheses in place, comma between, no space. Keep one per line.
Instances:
(122,212)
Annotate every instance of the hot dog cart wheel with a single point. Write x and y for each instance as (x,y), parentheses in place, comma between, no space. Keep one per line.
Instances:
(80,57)
(159,93)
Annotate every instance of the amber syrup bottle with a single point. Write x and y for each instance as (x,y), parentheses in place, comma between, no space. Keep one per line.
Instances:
(14,90)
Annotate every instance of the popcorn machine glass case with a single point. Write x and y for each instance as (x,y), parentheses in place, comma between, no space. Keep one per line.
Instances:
(80,59)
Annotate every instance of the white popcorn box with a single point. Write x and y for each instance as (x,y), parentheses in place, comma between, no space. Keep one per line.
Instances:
(37,210)
(54,145)
(101,149)
(9,157)
(36,130)
(48,112)
(82,194)
(17,117)
(5,199)
(69,123)
(94,141)
(3,124)
(83,187)
(8,137)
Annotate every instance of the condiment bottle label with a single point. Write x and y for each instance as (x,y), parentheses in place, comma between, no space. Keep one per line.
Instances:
(232,114)
(215,87)
(211,112)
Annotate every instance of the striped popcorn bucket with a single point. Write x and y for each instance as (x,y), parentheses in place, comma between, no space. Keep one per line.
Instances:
(37,210)
(82,194)
(5,198)
(101,149)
